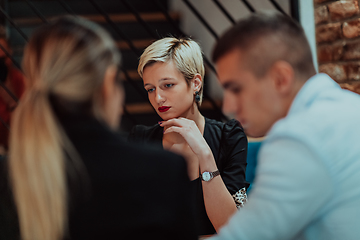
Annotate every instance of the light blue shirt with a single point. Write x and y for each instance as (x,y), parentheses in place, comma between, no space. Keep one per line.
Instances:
(307,183)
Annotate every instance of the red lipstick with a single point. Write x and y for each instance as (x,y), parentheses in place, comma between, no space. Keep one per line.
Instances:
(163,108)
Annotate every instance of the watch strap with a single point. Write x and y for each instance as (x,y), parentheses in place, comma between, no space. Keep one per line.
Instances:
(212,175)
(215,173)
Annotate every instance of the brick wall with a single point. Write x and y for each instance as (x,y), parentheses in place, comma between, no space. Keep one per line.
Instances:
(338,40)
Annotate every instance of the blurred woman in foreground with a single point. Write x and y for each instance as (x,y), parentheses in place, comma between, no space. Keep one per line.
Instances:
(72,175)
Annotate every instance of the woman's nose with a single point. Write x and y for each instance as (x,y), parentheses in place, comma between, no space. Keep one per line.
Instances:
(160,98)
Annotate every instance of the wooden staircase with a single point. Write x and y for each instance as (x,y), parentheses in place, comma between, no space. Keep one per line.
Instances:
(28,16)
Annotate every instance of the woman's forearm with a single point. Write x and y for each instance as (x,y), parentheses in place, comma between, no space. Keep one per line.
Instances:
(219,204)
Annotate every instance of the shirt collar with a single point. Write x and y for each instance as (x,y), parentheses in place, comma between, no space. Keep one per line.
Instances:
(311,90)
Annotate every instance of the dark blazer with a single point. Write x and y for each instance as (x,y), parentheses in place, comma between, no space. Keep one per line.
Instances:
(9,227)
(122,190)
(135,192)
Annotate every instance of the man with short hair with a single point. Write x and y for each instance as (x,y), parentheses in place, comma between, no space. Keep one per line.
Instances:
(308,173)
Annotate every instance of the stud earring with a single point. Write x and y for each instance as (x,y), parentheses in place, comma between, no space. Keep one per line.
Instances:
(197,97)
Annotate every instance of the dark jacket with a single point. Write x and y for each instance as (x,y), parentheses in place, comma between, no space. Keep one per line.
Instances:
(122,190)
(9,227)
(136,192)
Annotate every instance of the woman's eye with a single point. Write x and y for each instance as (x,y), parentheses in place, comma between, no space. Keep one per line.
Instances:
(169,85)
(150,90)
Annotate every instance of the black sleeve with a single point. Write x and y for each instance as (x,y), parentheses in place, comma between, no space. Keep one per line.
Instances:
(234,149)
(136,134)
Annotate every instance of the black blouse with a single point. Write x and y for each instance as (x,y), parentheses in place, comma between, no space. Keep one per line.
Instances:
(228,144)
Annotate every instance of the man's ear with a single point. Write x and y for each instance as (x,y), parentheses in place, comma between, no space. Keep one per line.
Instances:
(197,82)
(283,77)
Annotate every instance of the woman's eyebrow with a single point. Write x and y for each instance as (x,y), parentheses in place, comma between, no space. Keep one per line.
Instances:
(166,78)
(161,79)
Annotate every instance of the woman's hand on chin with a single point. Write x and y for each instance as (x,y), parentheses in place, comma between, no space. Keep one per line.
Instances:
(189,131)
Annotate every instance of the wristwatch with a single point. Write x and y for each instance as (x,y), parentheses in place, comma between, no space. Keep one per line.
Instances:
(207,176)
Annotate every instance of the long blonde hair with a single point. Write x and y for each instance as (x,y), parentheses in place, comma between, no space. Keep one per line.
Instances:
(65,60)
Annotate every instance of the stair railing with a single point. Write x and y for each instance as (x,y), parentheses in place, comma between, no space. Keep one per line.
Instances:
(120,33)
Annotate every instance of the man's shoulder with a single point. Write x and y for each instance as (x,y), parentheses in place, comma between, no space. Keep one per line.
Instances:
(324,112)
(323,125)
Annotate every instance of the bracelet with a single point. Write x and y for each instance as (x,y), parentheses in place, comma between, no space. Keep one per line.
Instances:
(240,198)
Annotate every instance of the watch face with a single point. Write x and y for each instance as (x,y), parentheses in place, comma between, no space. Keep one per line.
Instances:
(206,176)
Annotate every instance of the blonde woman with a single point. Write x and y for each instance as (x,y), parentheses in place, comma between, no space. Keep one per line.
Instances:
(172,71)
(73,176)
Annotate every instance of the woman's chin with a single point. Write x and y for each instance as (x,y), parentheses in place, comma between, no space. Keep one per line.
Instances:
(166,117)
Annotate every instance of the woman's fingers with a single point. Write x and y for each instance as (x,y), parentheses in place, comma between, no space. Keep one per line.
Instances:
(187,126)
(176,122)
(173,129)
(189,131)
(182,128)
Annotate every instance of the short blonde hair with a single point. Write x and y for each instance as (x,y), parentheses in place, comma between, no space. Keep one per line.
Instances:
(185,53)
